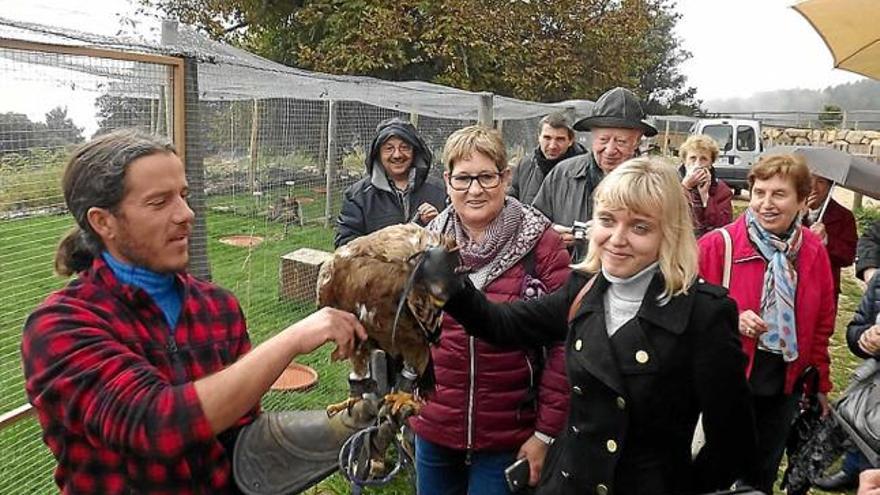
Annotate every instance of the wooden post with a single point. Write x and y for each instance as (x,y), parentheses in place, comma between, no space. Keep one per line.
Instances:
(255,131)
(414,119)
(331,163)
(857,202)
(665,147)
(188,128)
(486,110)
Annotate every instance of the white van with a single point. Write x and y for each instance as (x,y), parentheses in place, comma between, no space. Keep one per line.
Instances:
(739,142)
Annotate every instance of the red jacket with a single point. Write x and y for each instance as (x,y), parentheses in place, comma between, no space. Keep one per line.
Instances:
(814,300)
(113,387)
(840,227)
(718,210)
(480,388)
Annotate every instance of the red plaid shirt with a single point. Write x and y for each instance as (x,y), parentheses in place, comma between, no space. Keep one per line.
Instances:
(114,389)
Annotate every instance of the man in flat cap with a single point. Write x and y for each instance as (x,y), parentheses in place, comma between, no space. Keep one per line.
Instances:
(617,124)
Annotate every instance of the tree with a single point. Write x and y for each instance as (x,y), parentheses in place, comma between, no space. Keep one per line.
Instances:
(61,129)
(831,116)
(544,50)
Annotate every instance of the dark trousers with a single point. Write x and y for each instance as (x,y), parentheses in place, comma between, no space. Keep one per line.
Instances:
(773,415)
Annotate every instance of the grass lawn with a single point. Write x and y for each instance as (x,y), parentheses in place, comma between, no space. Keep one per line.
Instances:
(26,253)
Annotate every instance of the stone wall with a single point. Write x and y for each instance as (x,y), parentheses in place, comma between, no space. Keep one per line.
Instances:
(850,140)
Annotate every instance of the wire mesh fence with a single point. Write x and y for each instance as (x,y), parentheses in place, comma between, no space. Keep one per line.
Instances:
(268,150)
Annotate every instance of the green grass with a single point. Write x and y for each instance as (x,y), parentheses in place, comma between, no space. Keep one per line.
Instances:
(26,251)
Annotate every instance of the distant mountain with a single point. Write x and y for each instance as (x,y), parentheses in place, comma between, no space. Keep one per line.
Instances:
(861,95)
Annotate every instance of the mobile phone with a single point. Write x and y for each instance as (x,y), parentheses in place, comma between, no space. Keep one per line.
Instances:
(517,475)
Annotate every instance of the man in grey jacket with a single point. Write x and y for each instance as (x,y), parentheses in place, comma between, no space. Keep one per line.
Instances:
(555,143)
(617,125)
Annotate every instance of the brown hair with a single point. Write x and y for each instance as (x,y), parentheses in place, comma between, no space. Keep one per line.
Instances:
(556,120)
(790,167)
(95,178)
(475,139)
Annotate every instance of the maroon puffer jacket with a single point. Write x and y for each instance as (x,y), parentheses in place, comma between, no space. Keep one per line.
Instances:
(480,388)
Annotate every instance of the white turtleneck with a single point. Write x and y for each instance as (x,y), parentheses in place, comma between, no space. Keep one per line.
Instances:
(624,296)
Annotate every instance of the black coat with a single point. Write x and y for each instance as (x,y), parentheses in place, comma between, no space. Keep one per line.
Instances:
(868,250)
(371,203)
(865,316)
(636,396)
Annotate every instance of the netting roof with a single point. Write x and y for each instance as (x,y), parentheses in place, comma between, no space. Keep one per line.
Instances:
(229,73)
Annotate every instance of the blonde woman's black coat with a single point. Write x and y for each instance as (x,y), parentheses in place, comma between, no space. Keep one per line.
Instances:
(636,396)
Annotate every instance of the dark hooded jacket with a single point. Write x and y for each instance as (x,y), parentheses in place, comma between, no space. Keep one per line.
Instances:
(373,202)
(530,173)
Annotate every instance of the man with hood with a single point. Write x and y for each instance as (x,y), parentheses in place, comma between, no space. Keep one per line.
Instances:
(555,143)
(397,187)
(617,125)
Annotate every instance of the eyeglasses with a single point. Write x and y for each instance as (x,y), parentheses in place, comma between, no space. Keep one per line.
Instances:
(402,148)
(486,180)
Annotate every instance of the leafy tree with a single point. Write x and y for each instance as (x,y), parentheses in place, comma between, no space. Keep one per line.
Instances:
(831,116)
(544,50)
(61,129)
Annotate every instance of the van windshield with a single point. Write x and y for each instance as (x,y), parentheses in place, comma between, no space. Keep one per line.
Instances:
(722,134)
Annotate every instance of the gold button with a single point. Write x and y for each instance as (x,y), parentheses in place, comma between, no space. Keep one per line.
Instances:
(611,445)
(642,357)
(621,403)
(578,344)
(601,489)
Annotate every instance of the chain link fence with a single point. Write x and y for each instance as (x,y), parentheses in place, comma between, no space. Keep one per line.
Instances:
(268,150)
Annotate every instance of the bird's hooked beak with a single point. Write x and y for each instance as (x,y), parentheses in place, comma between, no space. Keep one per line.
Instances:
(436,270)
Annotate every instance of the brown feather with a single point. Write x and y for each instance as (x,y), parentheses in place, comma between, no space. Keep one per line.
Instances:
(367,277)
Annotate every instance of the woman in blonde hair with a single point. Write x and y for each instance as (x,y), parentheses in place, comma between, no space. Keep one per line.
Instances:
(648,349)
(709,197)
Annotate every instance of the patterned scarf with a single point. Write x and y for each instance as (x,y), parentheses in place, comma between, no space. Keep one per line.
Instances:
(513,233)
(780,285)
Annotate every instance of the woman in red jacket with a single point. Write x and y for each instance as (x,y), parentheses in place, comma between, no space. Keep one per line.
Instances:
(780,277)
(491,404)
(709,196)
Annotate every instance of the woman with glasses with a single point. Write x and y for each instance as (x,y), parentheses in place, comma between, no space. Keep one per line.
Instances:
(649,347)
(491,403)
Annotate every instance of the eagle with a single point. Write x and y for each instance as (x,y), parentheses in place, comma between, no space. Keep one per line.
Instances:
(377,277)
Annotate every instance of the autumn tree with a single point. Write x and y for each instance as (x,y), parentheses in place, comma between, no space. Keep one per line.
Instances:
(539,50)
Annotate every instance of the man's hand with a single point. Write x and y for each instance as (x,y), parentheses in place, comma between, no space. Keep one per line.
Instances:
(327,325)
(869,482)
(535,450)
(868,274)
(565,233)
(751,325)
(870,340)
(427,212)
(818,228)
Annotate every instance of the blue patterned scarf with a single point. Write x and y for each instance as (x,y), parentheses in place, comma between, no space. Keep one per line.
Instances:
(780,285)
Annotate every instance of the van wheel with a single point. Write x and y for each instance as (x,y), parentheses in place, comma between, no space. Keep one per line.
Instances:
(736,191)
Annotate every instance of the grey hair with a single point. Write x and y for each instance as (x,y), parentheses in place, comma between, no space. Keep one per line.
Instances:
(95,178)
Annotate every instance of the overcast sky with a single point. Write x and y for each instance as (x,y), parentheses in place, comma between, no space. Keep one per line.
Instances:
(739,47)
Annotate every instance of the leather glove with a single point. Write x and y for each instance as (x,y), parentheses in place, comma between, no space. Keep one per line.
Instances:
(440,272)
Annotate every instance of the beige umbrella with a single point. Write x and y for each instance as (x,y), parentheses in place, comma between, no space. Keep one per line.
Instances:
(851,29)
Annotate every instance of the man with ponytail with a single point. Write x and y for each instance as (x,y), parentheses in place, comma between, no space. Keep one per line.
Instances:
(141,374)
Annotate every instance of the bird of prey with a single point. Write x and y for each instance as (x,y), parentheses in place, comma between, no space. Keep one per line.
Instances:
(377,278)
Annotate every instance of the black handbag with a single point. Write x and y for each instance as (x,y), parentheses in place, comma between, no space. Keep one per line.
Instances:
(814,442)
(858,411)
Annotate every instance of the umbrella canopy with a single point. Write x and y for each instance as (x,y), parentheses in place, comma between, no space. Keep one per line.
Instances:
(851,172)
(851,29)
